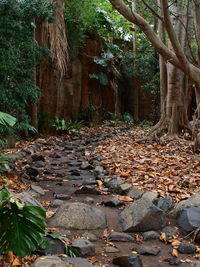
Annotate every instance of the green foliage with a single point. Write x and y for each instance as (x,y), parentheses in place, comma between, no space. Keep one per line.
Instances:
(128,118)
(101,77)
(22,227)
(19,54)
(88,114)
(4,163)
(70,126)
(7,120)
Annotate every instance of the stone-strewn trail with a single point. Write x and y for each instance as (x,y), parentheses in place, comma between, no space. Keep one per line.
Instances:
(91,210)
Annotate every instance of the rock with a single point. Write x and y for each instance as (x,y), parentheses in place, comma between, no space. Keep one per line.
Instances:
(124,188)
(189,219)
(111,250)
(174,261)
(99,170)
(90,236)
(165,204)
(197,237)
(32,172)
(79,216)
(58,247)
(62,196)
(38,189)
(132,260)
(27,150)
(39,164)
(113,202)
(151,235)
(113,184)
(89,200)
(28,199)
(57,203)
(193,201)
(49,261)
(120,237)
(186,248)
(77,262)
(36,157)
(86,166)
(145,250)
(84,247)
(135,193)
(152,196)
(195,264)
(142,215)
(86,189)
(170,232)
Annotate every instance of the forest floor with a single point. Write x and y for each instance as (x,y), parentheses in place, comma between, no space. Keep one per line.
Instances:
(169,169)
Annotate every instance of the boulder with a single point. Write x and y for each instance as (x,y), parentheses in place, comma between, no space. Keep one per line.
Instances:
(84,247)
(79,216)
(77,262)
(132,260)
(146,250)
(120,237)
(135,193)
(189,219)
(142,215)
(186,248)
(49,261)
(193,201)
(151,235)
(152,196)
(165,204)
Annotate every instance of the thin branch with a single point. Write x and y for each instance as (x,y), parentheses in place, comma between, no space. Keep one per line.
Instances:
(152,10)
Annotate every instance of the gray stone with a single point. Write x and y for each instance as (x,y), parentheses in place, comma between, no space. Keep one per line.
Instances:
(142,215)
(120,237)
(38,189)
(84,247)
(113,184)
(195,264)
(99,170)
(32,172)
(89,200)
(28,199)
(135,193)
(186,248)
(152,196)
(189,219)
(57,203)
(111,250)
(36,157)
(132,260)
(124,188)
(39,164)
(151,235)
(76,262)
(174,261)
(79,216)
(113,202)
(90,236)
(165,204)
(62,196)
(86,166)
(49,261)
(193,201)
(58,247)
(145,250)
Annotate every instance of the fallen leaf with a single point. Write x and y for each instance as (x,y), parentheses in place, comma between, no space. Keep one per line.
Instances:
(125,198)
(163,237)
(176,243)
(175,253)
(16,262)
(10,257)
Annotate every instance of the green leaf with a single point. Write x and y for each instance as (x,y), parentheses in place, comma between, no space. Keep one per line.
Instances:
(7,120)
(21,229)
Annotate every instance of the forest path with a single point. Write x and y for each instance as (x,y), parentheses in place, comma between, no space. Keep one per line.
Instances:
(69,170)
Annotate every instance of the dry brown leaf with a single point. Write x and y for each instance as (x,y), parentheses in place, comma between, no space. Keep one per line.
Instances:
(175,253)
(10,257)
(175,243)
(16,262)
(92,260)
(163,237)
(125,198)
